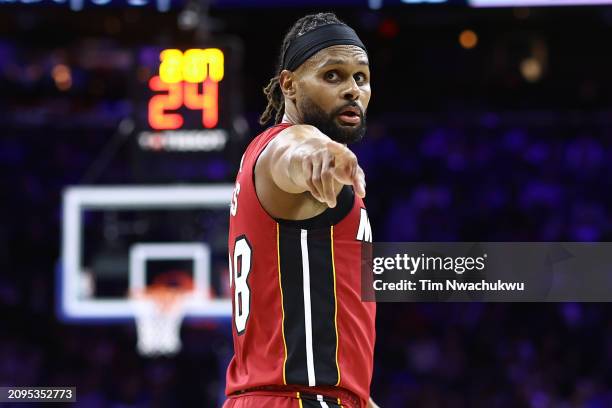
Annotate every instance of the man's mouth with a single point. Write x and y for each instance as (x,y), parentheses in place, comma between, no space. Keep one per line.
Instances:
(350,115)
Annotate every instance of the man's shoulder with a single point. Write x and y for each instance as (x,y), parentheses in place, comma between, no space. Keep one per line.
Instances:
(272,131)
(260,141)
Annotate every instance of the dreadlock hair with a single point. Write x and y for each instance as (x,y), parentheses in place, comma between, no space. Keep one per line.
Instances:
(276,101)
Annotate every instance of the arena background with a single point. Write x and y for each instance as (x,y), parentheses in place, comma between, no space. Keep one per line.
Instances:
(485,124)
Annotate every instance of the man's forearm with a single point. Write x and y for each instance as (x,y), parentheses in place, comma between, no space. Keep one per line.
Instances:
(307,160)
(288,156)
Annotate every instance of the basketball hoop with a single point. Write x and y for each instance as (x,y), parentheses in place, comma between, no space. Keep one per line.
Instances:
(159,310)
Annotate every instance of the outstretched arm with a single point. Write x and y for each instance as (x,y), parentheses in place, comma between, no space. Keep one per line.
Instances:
(302,168)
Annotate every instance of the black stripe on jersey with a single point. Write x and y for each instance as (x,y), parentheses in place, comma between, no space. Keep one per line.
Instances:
(292,282)
(323,306)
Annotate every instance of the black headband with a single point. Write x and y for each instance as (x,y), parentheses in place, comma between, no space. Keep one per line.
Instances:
(307,45)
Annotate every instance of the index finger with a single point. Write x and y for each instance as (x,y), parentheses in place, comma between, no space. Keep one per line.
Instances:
(359,182)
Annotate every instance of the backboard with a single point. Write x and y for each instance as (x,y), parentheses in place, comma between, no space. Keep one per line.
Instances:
(117,240)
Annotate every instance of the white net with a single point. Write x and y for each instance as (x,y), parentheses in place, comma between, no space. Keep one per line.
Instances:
(158,322)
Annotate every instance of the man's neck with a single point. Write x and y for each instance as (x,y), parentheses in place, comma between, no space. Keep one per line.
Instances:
(290,117)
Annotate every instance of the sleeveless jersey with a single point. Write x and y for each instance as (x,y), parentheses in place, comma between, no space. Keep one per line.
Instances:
(298,317)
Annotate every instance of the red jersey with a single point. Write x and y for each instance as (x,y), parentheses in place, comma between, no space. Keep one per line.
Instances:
(298,318)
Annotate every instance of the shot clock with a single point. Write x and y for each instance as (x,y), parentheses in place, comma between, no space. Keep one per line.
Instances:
(188,79)
(188,105)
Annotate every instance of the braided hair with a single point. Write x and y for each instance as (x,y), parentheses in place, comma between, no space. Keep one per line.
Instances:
(276,101)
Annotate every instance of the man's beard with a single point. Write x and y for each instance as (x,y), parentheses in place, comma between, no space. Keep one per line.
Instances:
(313,115)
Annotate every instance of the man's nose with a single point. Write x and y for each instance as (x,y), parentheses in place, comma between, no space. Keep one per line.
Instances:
(352,91)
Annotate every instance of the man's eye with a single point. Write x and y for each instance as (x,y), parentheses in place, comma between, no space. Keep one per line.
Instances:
(360,77)
(331,75)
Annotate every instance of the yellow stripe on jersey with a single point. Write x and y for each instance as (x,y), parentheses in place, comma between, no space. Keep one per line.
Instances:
(299,399)
(340,403)
(335,300)
(280,285)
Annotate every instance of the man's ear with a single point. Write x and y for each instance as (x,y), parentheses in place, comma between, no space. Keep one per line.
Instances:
(287,83)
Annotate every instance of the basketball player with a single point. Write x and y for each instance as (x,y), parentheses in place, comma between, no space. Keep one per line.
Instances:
(302,335)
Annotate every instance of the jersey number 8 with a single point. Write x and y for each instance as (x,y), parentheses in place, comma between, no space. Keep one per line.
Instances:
(239,268)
